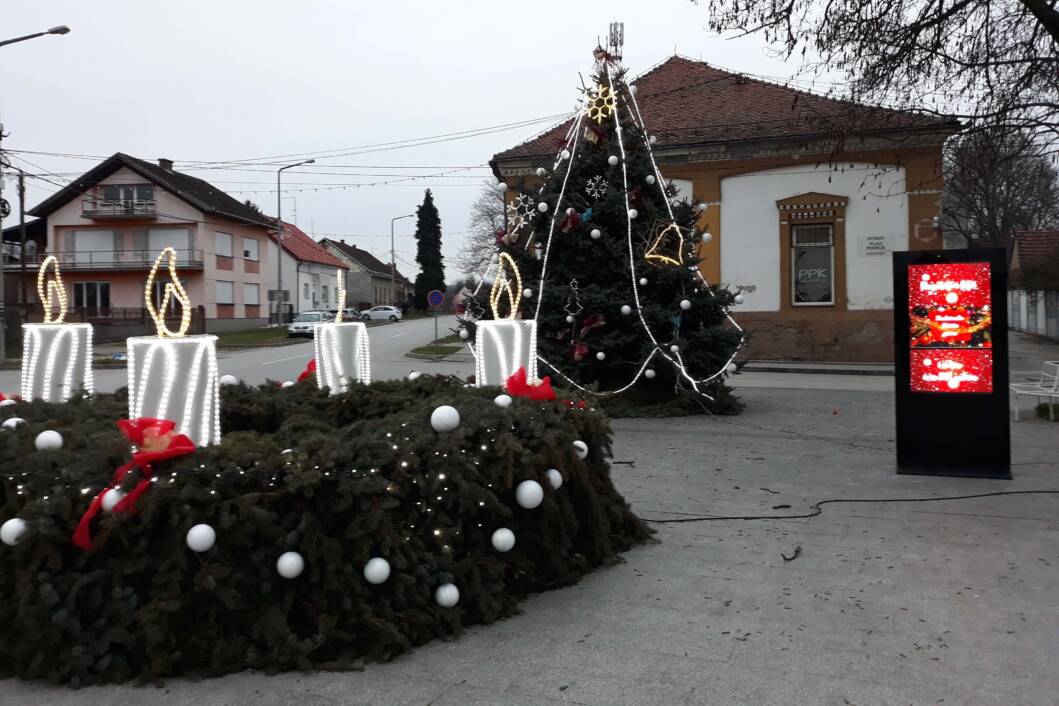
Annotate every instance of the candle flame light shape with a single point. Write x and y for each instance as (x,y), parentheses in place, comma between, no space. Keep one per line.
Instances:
(46,289)
(173,290)
(502,286)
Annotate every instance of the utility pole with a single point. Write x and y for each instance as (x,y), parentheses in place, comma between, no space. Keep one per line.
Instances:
(3,260)
(393,264)
(22,237)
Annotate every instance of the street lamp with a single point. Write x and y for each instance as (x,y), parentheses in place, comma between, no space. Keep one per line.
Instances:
(393,265)
(61,29)
(279,238)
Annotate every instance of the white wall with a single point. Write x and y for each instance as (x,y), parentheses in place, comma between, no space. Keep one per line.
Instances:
(750,240)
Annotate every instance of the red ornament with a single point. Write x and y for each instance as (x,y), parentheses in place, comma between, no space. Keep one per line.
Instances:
(578,351)
(571,221)
(309,370)
(540,390)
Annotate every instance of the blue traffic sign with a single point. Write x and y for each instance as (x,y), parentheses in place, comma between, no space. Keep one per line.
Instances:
(435,298)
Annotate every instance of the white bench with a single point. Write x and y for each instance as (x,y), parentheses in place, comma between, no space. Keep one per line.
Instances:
(1047,388)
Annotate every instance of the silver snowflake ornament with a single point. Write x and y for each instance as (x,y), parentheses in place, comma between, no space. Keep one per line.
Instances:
(596,187)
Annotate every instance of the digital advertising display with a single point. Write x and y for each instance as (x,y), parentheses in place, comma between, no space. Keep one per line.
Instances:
(951,362)
(950,327)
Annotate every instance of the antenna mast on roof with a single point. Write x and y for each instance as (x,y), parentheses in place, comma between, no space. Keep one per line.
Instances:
(616,40)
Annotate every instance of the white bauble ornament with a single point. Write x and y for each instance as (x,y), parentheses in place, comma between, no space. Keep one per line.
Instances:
(674,348)
(503,540)
(685,304)
(111,498)
(707,237)
(542,207)
(732,368)
(414,375)
(601,355)
(229,380)
(527,293)
(652,139)
(650,178)
(290,565)
(12,531)
(649,374)
(447,595)
(595,233)
(633,213)
(464,334)
(612,160)
(49,440)
(529,494)
(501,187)
(570,211)
(554,477)
(201,538)
(581,449)
(569,318)
(502,400)
(739,298)
(643,281)
(7,402)
(540,171)
(565,154)
(626,309)
(632,90)
(445,418)
(12,422)
(377,570)
(288,383)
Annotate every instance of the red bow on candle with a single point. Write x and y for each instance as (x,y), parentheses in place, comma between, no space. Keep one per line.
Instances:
(154,441)
(540,390)
(309,370)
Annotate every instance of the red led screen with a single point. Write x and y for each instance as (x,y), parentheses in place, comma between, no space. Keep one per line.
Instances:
(951,327)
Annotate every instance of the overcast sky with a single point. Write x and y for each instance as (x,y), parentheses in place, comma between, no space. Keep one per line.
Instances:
(217,80)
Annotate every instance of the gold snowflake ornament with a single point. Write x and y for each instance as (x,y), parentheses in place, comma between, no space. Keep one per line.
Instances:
(601,103)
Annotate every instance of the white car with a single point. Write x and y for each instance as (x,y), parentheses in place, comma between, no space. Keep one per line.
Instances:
(381,313)
(304,323)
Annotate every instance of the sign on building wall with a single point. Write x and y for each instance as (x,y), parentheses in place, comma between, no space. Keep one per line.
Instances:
(951,362)
(876,245)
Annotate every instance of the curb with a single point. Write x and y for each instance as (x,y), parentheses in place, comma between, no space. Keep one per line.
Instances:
(868,369)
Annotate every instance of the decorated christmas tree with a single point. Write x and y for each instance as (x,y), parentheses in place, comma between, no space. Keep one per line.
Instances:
(608,257)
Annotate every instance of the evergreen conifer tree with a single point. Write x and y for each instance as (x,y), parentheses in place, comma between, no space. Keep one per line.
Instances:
(428,252)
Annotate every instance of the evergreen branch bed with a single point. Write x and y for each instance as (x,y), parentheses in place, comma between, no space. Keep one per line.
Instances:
(297,470)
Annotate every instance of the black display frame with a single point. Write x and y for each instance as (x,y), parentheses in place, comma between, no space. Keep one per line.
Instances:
(964,434)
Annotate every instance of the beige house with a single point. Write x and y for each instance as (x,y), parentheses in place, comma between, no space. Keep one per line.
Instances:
(368,280)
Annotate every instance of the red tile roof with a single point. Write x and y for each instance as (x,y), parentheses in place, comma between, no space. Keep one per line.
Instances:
(304,248)
(1037,248)
(685,102)
(365,259)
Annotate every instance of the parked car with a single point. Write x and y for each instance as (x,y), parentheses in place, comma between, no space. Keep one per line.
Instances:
(348,314)
(304,323)
(383,313)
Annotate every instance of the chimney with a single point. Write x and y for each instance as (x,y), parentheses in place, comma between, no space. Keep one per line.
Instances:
(166,164)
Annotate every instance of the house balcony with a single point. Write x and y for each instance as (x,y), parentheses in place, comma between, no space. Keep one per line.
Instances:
(110,260)
(118,208)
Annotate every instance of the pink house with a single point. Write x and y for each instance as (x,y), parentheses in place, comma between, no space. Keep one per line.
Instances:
(107,227)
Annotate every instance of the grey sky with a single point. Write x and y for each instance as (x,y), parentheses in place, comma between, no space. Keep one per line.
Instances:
(239,79)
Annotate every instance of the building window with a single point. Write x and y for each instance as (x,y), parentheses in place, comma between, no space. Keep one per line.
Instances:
(323,294)
(250,249)
(128,192)
(225,292)
(812,265)
(251,295)
(92,296)
(305,290)
(223,244)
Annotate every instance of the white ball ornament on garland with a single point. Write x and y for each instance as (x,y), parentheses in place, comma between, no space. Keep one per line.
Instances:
(503,540)
(707,237)
(527,293)
(650,178)
(674,348)
(111,498)
(570,211)
(565,154)
(541,172)
(290,565)
(649,374)
(447,595)
(201,538)
(652,139)
(464,334)
(601,356)
(643,281)
(8,402)
(732,368)
(685,304)
(580,449)
(377,570)
(12,531)
(287,383)
(633,213)
(414,375)
(569,318)
(529,494)
(739,298)
(632,90)
(542,207)
(12,422)
(48,440)
(612,160)
(626,309)
(555,478)
(501,187)
(502,400)
(595,233)
(444,418)
(229,380)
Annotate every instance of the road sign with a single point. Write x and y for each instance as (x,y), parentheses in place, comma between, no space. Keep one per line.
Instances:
(5,208)
(435,298)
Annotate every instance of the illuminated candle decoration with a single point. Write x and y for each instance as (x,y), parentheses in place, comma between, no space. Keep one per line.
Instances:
(173,375)
(506,343)
(343,350)
(56,356)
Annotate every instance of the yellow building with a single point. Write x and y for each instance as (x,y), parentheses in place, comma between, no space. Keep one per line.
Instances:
(805,197)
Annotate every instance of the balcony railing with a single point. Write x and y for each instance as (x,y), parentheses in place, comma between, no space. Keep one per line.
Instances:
(112,259)
(118,208)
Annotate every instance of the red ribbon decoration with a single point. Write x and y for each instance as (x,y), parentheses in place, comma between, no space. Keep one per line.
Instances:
(518,386)
(309,370)
(155,441)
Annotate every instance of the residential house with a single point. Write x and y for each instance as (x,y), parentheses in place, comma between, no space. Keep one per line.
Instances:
(17,286)
(1033,283)
(806,197)
(368,280)
(107,227)
(310,272)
